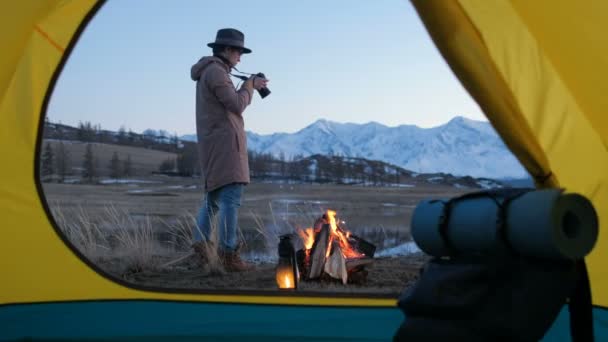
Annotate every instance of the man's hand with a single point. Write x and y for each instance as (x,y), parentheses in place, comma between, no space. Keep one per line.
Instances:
(259,82)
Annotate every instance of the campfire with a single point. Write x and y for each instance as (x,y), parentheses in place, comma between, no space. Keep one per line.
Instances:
(326,251)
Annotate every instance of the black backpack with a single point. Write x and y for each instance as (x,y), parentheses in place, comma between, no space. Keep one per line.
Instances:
(505,297)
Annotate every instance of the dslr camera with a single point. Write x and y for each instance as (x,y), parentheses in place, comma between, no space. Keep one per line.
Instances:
(263,91)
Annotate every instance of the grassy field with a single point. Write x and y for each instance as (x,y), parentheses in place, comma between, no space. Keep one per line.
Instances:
(273,207)
(131,230)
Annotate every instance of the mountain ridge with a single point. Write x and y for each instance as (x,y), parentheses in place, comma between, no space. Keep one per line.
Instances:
(462,146)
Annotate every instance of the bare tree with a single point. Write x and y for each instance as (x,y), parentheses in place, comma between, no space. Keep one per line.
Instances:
(115,166)
(167,165)
(122,135)
(47,167)
(62,161)
(88,164)
(338,169)
(282,164)
(86,131)
(127,167)
(187,159)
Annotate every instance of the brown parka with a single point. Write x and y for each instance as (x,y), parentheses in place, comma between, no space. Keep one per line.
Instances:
(222,143)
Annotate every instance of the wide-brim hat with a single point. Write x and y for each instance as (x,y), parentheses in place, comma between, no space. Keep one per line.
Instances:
(230,37)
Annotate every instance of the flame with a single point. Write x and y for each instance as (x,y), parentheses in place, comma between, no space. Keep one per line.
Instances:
(342,237)
(308,237)
(347,250)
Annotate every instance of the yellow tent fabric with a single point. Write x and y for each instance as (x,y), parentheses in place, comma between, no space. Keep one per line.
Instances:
(537,69)
(35,263)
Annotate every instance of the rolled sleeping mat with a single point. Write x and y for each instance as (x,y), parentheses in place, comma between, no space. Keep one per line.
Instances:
(551,224)
(545,223)
(425,227)
(471,227)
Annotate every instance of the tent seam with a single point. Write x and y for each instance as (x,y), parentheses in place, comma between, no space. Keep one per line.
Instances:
(49,39)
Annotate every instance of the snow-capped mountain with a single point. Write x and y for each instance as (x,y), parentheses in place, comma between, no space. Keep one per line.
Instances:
(461,147)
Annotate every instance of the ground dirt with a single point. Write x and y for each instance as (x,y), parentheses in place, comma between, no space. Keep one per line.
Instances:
(387,277)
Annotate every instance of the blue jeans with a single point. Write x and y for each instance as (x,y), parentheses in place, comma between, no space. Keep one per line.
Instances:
(223,203)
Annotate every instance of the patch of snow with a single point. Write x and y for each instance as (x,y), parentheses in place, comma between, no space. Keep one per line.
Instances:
(65,141)
(297,201)
(127,181)
(186,187)
(407,248)
(260,258)
(140,191)
(488,184)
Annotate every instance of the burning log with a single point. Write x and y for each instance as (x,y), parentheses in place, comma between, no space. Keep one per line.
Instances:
(335,265)
(353,264)
(329,251)
(361,245)
(318,252)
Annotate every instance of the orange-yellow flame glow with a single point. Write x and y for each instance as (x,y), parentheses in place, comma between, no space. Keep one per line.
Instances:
(345,247)
(331,215)
(308,237)
(287,282)
(285,277)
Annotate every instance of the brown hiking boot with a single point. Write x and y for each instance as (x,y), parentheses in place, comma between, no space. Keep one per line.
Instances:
(233,262)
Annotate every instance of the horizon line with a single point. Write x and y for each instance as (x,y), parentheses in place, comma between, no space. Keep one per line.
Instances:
(283,132)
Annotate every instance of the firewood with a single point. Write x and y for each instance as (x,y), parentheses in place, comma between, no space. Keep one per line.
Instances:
(317,253)
(362,245)
(351,264)
(335,265)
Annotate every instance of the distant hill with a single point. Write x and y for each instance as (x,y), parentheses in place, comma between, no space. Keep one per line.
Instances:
(144,161)
(361,171)
(316,168)
(461,147)
(148,151)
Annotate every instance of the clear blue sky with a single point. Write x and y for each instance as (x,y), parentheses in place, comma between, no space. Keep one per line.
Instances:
(345,61)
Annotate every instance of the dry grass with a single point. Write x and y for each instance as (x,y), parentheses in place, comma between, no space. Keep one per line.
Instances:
(82,230)
(115,234)
(135,242)
(181,232)
(135,237)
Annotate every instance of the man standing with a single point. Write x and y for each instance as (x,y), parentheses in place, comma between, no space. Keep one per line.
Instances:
(222,143)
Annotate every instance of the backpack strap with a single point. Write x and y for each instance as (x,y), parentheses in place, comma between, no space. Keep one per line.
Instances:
(581,308)
(443,225)
(502,198)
